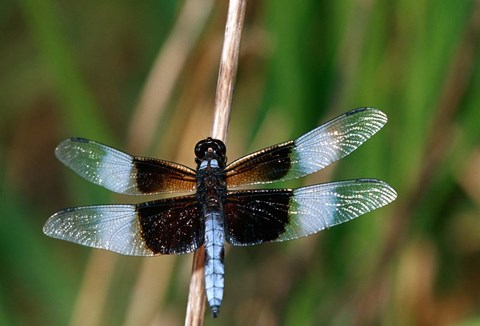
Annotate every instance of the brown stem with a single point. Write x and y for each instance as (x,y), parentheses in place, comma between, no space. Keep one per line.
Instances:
(228,68)
(223,103)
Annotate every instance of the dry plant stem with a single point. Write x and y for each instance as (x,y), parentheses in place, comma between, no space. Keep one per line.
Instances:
(228,68)
(196,293)
(223,102)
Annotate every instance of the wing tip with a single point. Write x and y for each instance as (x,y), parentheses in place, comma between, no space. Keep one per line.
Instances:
(49,227)
(46,228)
(358,110)
(388,192)
(73,140)
(62,148)
(78,140)
(374,112)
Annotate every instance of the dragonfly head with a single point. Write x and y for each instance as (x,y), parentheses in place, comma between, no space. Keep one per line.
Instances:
(211,149)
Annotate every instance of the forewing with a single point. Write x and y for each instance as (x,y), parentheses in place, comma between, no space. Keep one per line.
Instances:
(308,153)
(167,226)
(257,216)
(123,173)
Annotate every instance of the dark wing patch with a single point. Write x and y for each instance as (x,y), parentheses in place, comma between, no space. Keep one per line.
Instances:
(121,172)
(267,165)
(168,226)
(156,176)
(172,225)
(256,216)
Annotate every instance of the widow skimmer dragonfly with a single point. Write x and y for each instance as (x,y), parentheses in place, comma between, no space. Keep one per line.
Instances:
(215,214)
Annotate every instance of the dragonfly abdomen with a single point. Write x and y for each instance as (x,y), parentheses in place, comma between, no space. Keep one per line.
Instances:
(214,255)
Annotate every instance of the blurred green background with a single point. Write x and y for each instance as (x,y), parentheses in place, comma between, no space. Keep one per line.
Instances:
(86,69)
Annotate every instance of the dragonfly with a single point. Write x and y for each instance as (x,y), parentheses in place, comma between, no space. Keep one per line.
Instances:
(215,212)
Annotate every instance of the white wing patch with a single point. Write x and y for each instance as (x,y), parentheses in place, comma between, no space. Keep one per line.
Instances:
(99,164)
(318,207)
(334,140)
(111,227)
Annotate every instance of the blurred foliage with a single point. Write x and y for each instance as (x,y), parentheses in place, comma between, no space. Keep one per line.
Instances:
(78,69)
